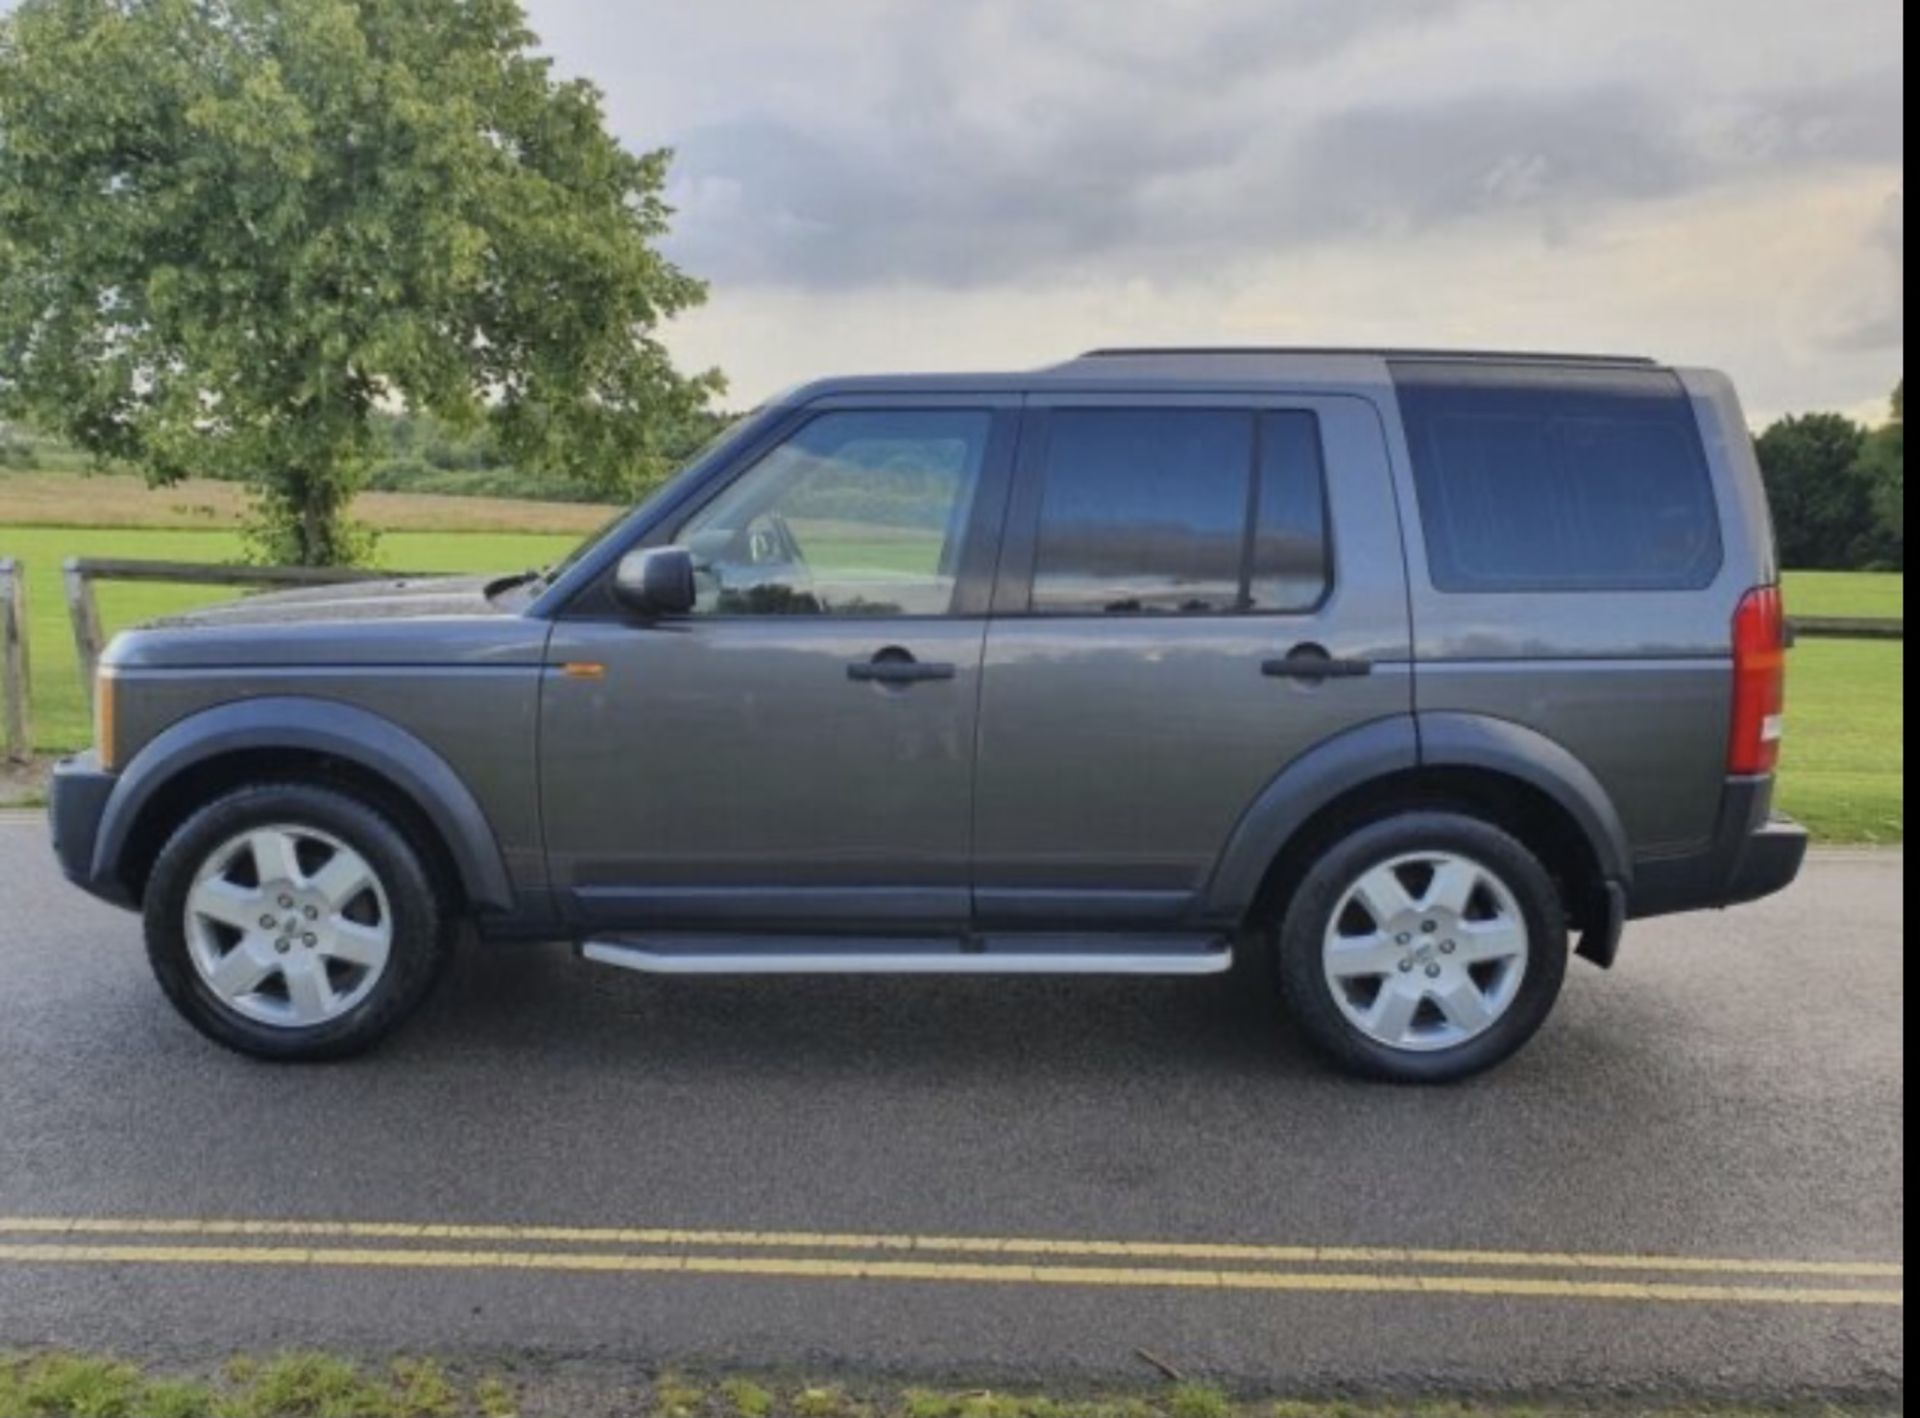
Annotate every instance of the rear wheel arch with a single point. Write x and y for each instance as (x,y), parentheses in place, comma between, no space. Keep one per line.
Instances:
(300,740)
(1511,751)
(1525,812)
(1500,772)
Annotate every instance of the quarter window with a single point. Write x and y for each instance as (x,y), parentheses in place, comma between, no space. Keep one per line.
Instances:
(1185,511)
(859,513)
(1559,481)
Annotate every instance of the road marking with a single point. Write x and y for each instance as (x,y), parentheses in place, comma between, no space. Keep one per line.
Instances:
(210,1229)
(803,1268)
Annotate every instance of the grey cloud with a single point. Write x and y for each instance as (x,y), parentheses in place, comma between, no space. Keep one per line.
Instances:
(928,190)
(1414,168)
(1245,38)
(1881,324)
(1148,158)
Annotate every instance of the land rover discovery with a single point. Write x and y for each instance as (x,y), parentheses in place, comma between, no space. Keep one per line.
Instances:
(1404,674)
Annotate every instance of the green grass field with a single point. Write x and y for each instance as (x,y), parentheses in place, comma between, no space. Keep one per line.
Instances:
(1844,769)
(1867,594)
(1845,765)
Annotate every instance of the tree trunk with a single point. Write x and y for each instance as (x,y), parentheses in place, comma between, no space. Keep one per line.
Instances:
(316,547)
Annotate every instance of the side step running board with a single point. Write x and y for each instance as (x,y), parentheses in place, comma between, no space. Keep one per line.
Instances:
(687,954)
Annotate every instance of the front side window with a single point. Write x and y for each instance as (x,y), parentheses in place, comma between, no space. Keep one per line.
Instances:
(858,513)
(1184,511)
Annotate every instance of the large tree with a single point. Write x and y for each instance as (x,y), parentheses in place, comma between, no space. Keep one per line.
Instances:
(1822,507)
(231,230)
(1883,463)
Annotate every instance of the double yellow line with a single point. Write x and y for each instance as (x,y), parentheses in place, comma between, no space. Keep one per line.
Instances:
(980,1260)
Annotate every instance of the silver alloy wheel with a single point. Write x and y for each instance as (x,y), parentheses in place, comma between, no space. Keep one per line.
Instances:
(288,925)
(1426,951)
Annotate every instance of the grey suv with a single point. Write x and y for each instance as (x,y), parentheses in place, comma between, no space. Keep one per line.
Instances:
(1397,672)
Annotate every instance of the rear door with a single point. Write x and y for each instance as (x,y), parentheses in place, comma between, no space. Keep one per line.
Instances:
(1194,591)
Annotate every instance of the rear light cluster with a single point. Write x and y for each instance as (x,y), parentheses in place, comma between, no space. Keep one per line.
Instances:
(1759,683)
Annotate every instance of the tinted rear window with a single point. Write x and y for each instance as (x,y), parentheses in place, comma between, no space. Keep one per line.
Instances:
(1559,480)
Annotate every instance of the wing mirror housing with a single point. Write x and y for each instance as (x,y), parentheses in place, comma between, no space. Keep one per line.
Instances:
(655,581)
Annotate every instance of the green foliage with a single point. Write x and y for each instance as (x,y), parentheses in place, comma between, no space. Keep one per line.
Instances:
(290,1386)
(232,230)
(747,1398)
(820,1403)
(1883,465)
(1199,1401)
(16,449)
(929,1403)
(417,452)
(495,1399)
(1823,513)
(675,1397)
(1838,491)
(322,1386)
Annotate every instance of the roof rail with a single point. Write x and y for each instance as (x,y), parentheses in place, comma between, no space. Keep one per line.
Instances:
(1503,356)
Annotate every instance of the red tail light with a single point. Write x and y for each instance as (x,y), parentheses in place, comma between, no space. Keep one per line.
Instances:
(1759,683)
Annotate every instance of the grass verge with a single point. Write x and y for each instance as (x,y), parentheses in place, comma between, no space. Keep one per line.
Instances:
(315,1385)
(1844,769)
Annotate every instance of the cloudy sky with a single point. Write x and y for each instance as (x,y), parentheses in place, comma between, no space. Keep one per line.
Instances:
(941,184)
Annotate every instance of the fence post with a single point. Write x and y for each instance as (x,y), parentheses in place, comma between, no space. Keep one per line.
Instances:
(87,636)
(15,680)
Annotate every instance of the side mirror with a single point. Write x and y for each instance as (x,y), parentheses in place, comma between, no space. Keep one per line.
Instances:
(655,581)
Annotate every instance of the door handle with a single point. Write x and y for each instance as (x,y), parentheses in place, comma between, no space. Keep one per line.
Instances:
(1313,664)
(894,665)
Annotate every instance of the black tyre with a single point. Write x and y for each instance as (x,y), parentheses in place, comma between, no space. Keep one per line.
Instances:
(293,923)
(1423,948)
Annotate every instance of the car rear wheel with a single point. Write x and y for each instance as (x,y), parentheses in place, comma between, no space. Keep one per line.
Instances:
(292,922)
(1426,947)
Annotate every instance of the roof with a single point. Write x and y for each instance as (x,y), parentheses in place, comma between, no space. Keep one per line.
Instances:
(1122,370)
(1370,352)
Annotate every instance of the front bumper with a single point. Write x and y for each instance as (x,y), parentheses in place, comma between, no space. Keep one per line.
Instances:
(75,806)
(1754,853)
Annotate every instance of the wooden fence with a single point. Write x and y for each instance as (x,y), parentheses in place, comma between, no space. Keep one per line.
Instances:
(83,571)
(16,682)
(1839,627)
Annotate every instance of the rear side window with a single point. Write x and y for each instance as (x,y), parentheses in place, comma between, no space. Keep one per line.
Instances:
(1559,480)
(1185,511)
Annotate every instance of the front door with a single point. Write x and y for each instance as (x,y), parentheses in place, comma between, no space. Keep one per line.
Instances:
(797,753)
(1177,574)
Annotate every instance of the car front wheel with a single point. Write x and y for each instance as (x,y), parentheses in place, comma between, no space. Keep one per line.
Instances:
(292,922)
(1423,948)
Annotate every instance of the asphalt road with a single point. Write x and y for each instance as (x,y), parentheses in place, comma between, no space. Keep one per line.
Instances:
(1732,1093)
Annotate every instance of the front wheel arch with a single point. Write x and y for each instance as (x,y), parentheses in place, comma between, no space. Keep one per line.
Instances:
(282,736)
